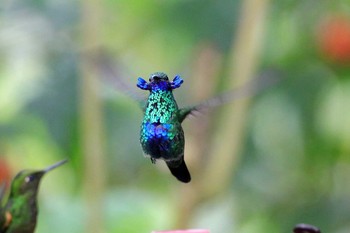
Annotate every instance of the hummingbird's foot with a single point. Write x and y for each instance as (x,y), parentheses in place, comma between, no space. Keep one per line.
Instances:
(153,160)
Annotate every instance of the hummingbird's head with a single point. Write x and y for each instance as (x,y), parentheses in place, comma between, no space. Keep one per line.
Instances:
(26,180)
(158,77)
(159,82)
(29,180)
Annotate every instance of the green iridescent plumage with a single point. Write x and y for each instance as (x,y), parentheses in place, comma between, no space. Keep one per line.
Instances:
(20,211)
(161,107)
(161,135)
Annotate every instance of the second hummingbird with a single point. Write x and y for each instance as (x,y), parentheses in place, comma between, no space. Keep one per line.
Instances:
(19,215)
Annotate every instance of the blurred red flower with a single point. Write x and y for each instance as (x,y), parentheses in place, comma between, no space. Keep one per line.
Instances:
(5,172)
(334,38)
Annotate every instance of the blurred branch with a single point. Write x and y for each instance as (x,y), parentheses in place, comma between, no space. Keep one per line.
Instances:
(230,131)
(206,68)
(213,172)
(91,120)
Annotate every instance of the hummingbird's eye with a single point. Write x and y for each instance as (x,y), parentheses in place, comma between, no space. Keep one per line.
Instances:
(28,179)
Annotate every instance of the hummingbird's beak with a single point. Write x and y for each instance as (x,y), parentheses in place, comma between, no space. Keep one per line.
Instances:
(55,165)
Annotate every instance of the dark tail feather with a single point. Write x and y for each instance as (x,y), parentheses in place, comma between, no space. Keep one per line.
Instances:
(179,170)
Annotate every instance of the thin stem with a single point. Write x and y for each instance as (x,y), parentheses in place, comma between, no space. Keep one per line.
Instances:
(230,131)
(91,120)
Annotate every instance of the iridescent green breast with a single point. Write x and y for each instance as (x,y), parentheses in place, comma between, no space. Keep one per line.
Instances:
(161,107)
(161,133)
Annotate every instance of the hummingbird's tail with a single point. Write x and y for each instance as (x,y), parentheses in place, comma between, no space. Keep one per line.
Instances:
(179,169)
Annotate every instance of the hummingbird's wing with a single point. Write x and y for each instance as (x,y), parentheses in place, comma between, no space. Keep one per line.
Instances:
(111,74)
(263,81)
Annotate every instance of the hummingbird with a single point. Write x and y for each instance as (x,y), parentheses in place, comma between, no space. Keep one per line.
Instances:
(161,135)
(306,228)
(19,214)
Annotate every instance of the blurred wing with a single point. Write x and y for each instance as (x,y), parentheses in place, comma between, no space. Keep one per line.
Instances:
(264,81)
(111,75)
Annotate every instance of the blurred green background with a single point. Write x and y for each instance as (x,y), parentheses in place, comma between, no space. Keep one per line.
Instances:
(260,164)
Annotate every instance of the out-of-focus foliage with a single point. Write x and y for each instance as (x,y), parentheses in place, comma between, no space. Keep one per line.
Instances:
(295,163)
